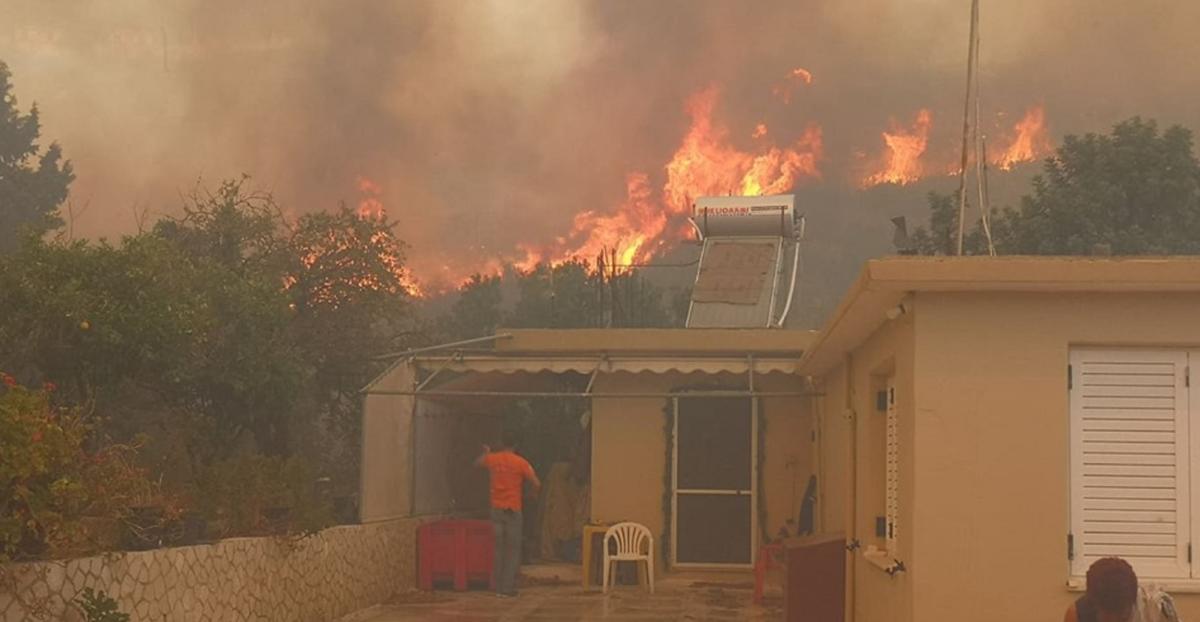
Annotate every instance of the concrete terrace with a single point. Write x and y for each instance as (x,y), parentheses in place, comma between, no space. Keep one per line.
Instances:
(559,597)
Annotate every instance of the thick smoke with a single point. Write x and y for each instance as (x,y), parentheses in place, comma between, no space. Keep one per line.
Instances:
(489,123)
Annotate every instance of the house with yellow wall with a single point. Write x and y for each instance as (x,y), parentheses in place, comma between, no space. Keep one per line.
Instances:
(702,435)
(979,430)
(990,426)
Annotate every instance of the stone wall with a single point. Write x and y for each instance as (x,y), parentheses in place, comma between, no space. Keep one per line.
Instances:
(319,578)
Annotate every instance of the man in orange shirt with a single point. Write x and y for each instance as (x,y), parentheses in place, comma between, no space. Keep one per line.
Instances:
(508,473)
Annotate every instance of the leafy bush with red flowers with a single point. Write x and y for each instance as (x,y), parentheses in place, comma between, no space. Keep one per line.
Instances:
(58,494)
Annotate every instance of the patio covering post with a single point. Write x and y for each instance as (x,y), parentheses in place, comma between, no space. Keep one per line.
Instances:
(387,453)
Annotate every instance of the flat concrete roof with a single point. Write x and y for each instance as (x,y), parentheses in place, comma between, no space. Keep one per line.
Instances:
(883,283)
(658,341)
(1035,273)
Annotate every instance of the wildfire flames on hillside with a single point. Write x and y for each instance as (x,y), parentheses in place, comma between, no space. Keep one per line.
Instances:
(653,218)
(500,134)
(902,158)
(1028,141)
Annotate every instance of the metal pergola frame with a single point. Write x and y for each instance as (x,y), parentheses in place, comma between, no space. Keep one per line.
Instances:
(459,356)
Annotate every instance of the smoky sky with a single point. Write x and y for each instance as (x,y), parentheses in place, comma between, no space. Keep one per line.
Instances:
(488,122)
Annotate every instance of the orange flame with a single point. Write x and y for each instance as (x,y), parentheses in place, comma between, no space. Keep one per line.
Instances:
(784,90)
(760,130)
(902,160)
(369,206)
(705,164)
(1029,140)
(802,74)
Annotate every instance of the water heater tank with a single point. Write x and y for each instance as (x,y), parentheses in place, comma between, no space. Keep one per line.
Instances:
(773,215)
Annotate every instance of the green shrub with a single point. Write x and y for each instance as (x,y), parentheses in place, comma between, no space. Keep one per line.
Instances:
(253,494)
(53,488)
(99,607)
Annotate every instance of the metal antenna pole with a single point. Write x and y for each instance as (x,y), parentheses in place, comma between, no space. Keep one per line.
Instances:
(962,172)
(985,201)
(981,156)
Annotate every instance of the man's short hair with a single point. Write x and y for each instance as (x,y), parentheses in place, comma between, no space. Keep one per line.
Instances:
(1112,585)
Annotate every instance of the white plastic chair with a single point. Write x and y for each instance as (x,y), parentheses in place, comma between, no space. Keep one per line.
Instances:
(630,539)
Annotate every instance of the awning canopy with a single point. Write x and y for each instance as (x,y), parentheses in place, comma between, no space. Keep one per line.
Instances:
(588,364)
(567,364)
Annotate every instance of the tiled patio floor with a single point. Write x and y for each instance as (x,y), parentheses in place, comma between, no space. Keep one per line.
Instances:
(676,598)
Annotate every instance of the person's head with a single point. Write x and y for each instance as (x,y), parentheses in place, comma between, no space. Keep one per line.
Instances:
(1112,587)
(508,440)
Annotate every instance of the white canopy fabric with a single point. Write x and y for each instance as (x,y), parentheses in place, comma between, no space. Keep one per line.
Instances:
(608,364)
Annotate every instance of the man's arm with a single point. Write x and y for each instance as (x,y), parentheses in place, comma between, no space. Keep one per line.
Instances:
(482,459)
(533,478)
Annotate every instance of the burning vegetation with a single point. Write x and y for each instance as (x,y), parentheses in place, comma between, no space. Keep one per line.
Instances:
(902,158)
(706,163)
(1028,142)
(651,219)
(709,162)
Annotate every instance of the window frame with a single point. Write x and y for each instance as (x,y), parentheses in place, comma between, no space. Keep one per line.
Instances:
(1187,452)
(891,478)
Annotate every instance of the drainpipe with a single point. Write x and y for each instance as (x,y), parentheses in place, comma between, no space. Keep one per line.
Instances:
(819,406)
(852,532)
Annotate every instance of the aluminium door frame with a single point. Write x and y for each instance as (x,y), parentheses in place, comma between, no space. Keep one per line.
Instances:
(753,490)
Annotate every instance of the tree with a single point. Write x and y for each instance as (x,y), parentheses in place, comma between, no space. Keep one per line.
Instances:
(562,296)
(349,287)
(1135,191)
(305,305)
(227,319)
(571,294)
(239,228)
(940,237)
(32,185)
(477,312)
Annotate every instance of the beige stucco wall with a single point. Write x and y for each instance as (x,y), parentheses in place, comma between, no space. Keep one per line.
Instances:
(787,451)
(992,453)
(629,449)
(851,457)
(628,463)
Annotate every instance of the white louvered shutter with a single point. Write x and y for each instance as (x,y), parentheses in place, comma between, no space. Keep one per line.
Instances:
(892,481)
(1130,492)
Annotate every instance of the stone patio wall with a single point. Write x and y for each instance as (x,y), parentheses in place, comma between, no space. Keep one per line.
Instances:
(318,578)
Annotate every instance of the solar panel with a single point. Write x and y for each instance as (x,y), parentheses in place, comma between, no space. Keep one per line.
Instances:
(746,262)
(735,272)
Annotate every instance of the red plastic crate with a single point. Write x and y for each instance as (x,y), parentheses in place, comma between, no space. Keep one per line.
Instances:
(455,551)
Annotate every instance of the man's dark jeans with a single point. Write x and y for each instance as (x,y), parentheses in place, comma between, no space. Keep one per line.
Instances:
(507,558)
